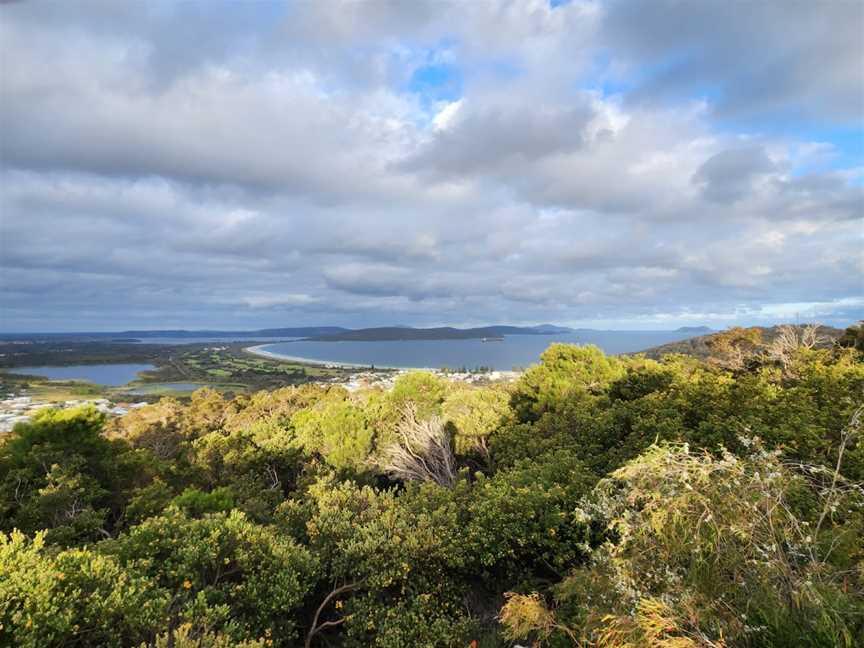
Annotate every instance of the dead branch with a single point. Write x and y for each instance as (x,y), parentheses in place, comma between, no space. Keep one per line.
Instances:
(422,451)
(315,628)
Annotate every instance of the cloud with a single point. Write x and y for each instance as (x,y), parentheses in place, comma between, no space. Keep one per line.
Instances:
(729,175)
(762,60)
(500,134)
(247,165)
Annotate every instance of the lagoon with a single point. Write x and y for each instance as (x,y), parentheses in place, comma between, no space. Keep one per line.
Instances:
(513,352)
(111,375)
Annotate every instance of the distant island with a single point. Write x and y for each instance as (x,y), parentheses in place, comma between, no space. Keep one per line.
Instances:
(396,333)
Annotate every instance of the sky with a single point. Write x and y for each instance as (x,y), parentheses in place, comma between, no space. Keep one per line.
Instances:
(610,164)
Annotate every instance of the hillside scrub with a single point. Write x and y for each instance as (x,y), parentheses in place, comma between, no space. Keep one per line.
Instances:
(597,501)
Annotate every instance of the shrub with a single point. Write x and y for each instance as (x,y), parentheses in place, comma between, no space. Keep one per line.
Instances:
(74,597)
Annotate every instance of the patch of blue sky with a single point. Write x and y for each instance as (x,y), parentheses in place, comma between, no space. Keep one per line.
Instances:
(669,83)
(436,82)
(647,82)
(501,69)
(844,146)
(602,79)
(847,145)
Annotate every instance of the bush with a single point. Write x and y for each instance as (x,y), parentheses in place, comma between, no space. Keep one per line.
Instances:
(74,597)
(224,573)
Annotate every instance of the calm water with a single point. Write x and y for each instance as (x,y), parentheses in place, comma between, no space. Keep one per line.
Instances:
(513,352)
(100,374)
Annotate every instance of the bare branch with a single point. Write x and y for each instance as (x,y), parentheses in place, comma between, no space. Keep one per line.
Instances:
(789,340)
(315,628)
(422,453)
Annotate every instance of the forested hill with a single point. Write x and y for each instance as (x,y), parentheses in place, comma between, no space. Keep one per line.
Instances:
(394,333)
(701,345)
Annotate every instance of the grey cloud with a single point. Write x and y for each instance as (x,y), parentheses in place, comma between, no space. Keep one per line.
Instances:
(393,281)
(728,176)
(244,168)
(760,59)
(499,134)
(68,106)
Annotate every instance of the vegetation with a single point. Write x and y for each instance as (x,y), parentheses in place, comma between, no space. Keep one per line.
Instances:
(597,501)
(750,340)
(227,367)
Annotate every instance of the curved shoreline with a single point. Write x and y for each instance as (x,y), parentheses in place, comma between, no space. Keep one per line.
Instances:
(260,351)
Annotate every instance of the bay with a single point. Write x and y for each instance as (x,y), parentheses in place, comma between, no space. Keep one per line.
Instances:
(513,352)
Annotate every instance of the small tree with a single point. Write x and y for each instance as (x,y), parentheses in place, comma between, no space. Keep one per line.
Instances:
(735,348)
(853,337)
(473,415)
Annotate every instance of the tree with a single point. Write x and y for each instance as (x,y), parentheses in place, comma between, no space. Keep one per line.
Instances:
(338,430)
(789,342)
(224,573)
(566,372)
(387,565)
(707,551)
(158,428)
(421,388)
(735,348)
(58,472)
(473,415)
(853,337)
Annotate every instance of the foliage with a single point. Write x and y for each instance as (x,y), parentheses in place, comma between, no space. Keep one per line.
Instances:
(74,597)
(420,388)
(853,337)
(597,501)
(396,561)
(521,521)
(473,415)
(338,430)
(58,472)
(223,571)
(734,348)
(714,551)
(566,372)
(186,636)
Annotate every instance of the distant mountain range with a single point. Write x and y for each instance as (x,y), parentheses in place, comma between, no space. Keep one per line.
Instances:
(395,333)
(298,332)
(327,333)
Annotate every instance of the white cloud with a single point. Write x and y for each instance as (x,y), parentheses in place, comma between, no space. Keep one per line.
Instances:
(275,166)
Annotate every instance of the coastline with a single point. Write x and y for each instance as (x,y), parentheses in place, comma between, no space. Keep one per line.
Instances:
(259,351)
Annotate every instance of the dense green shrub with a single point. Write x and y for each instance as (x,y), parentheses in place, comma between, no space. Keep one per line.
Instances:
(607,501)
(73,597)
(223,572)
